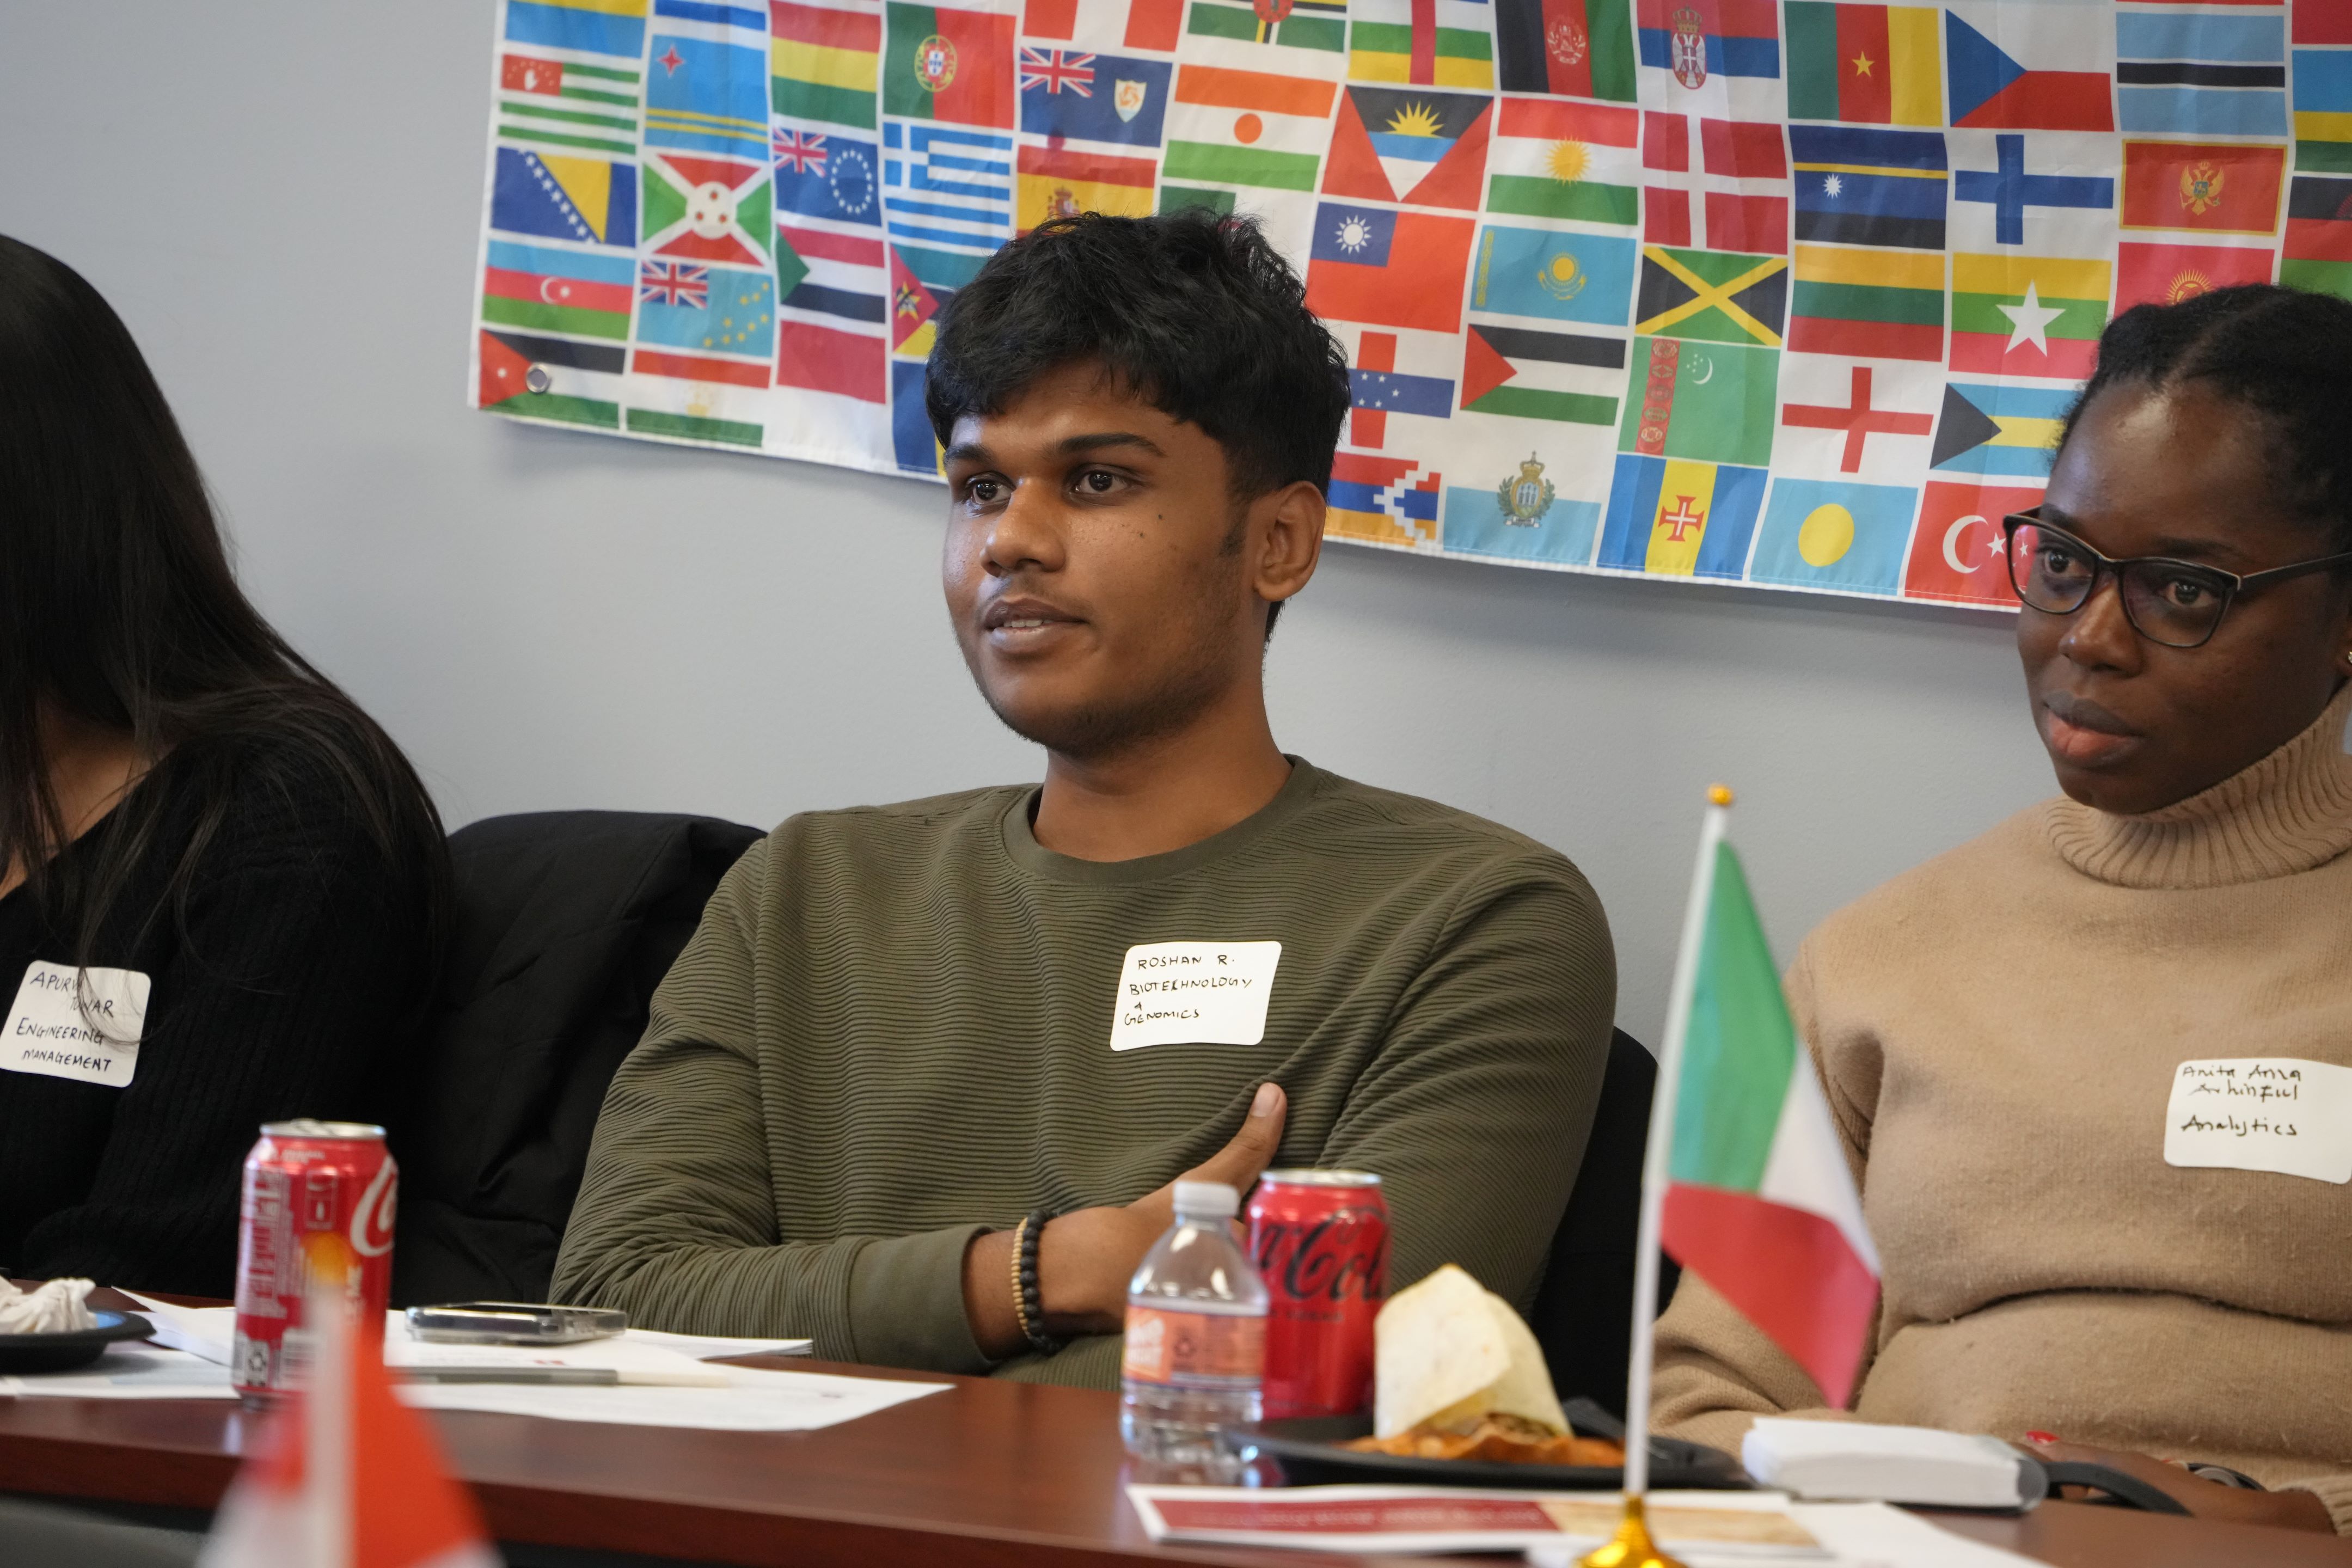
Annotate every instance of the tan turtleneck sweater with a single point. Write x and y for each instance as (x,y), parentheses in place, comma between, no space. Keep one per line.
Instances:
(1998,1032)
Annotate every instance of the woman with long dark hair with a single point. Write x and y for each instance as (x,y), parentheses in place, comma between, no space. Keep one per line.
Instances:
(222,886)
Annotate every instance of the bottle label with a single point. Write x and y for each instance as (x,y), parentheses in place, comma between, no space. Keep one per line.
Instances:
(1194,1350)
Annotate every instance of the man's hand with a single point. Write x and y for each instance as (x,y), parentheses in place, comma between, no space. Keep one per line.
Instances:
(1086,1258)
(2201,1498)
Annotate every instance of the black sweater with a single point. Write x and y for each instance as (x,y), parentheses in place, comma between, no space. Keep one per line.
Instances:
(291,987)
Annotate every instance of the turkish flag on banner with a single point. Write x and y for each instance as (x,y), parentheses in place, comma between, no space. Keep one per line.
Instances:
(1955,551)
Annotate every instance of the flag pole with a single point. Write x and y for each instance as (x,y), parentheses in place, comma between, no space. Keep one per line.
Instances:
(1632,1547)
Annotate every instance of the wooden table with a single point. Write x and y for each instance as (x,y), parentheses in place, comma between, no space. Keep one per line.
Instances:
(987,1473)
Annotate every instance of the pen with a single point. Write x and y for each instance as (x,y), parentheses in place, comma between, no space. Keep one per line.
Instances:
(598,1377)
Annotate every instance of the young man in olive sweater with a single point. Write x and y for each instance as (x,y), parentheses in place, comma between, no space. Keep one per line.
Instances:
(902,1028)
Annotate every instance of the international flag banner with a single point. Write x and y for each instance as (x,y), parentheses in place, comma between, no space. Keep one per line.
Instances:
(1427,148)
(1847,420)
(1713,402)
(947,64)
(707,78)
(1833,537)
(2209,73)
(1958,554)
(568,102)
(1230,127)
(1553,275)
(540,289)
(1716,296)
(1377,498)
(1401,387)
(1672,517)
(1125,24)
(1575,49)
(1868,304)
(1389,269)
(2003,429)
(1317,25)
(2167,274)
(1117,99)
(2323,104)
(1710,183)
(2034,189)
(708,209)
(1865,65)
(1869,187)
(828,175)
(1063,182)
(549,195)
(2206,187)
(1854,243)
(614,27)
(946,195)
(1759,1202)
(2317,254)
(559,379)
(1526,374)
(1421,43)
(1990,89)
(1523,517)
(2027,315)
(825,61)
(1577,162)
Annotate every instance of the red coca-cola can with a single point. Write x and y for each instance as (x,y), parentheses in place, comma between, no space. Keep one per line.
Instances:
(318,1198)
(1322,1242)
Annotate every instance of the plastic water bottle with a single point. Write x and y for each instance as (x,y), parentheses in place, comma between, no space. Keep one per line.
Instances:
(1195,1341)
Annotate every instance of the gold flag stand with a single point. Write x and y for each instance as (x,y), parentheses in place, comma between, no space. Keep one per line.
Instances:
(1632,1547)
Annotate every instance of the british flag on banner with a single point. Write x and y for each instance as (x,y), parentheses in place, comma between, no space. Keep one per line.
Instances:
(1781,293)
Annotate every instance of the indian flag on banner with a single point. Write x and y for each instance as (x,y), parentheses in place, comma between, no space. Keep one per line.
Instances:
(1759,1202)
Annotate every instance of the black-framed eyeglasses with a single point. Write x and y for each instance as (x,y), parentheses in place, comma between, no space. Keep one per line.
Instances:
(2178,604)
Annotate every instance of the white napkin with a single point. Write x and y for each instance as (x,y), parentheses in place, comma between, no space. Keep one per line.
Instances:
(59,1306)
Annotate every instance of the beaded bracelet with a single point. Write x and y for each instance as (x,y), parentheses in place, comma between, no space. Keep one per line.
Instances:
(1028,1304)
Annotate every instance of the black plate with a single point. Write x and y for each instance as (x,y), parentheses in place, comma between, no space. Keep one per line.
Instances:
(1308,1449)
(21,1353)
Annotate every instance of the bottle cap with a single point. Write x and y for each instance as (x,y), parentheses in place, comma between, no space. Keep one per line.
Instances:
(1211,1198)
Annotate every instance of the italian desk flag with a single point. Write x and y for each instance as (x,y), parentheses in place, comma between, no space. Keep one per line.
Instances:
(1757,1201)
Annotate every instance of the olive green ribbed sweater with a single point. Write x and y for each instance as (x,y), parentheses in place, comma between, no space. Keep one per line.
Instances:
(892,1032)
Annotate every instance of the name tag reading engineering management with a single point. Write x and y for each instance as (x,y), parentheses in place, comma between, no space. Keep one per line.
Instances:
(1197,993)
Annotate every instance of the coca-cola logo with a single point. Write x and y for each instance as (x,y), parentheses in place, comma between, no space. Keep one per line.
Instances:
(371,1232)
(1329,1259)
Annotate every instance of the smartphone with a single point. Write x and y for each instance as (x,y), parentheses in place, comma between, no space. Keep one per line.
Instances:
(513,1324)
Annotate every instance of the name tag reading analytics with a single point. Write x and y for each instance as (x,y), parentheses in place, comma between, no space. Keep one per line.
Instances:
(48,1033)
(2262,1113)
(1198,993)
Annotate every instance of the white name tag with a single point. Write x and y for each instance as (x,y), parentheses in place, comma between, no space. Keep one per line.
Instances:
(2262,1113)
(78,1024)
(1199,993)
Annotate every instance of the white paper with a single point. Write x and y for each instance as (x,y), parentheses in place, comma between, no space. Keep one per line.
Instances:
(1199,993)
(2282,1114)
(128,1372)
(1859,1461)
(79,1024)
(207,1331)
(754,1400)
(1859,1534)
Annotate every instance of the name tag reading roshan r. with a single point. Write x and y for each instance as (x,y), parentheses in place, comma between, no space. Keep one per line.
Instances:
(1197,993)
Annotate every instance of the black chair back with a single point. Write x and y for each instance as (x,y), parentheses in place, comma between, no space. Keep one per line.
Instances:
(1583,1314)
(565,924)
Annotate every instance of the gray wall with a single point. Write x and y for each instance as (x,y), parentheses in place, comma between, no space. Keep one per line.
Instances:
(281,199)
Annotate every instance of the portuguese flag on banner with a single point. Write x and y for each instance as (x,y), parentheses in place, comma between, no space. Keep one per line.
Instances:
(1759,1201)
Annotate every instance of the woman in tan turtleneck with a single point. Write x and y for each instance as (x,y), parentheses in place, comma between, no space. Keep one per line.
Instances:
(1999,1031)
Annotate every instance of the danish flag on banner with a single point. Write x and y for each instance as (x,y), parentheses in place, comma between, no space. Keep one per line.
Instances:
(347,1477)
